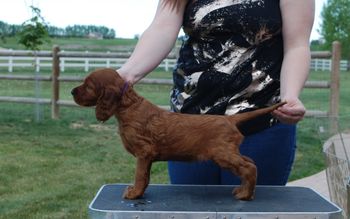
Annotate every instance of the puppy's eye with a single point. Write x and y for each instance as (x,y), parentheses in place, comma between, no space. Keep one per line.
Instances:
(89,89)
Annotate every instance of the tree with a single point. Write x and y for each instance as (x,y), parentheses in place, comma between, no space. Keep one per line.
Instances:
(7,30)
(56,31)
(86,30)
(34,31)
(336,24)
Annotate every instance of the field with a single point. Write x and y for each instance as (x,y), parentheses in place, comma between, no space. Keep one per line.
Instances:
(53,168)
(74,44)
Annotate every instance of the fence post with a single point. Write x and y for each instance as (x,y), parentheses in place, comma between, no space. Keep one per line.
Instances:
(37,64)
(11,62)
(62,63)
(86,63)
(166,64)
(108,61)
(315,61)
(55,82)
(335,87)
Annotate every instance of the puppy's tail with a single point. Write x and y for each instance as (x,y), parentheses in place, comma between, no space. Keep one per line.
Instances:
(243,117)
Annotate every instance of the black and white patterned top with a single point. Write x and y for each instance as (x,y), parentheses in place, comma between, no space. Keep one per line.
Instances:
(231,57)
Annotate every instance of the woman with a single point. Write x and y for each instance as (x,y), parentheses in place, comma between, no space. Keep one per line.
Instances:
(237,55)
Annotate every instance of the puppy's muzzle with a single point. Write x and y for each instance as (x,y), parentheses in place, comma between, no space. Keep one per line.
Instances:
(74,91)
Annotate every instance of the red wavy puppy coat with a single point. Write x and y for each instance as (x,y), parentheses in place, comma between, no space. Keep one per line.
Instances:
(153,134)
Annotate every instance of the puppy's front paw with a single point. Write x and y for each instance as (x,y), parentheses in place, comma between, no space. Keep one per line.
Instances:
(131,193)
(242,193)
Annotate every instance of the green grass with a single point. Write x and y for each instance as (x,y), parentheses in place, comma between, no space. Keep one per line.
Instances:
(77,44)
(53,168)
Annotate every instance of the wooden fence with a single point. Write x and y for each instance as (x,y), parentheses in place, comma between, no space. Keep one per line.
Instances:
(326,65)
(56,56)
(86,63)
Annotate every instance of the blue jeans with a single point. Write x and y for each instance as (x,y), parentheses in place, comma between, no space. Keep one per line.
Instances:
(272,150)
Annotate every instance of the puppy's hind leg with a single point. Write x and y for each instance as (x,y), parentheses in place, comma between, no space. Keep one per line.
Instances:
(248,174)
(244,168)
(143,169)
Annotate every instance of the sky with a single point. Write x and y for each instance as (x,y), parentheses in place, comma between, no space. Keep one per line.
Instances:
(127,17)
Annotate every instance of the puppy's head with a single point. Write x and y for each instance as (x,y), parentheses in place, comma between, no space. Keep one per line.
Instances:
(102,88)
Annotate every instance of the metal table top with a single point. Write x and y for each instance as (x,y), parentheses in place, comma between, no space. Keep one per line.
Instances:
(202,199)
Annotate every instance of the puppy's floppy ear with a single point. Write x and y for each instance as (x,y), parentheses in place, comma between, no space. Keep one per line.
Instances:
(106,105)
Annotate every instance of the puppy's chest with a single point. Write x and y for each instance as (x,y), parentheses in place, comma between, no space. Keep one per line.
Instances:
(136,139)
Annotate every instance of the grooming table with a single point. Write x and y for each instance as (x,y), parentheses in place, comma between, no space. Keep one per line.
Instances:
(211,202)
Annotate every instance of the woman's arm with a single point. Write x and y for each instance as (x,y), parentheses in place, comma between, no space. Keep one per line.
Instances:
(298,17)
(155,43)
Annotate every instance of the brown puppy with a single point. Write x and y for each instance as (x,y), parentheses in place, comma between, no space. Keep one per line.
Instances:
(153,134)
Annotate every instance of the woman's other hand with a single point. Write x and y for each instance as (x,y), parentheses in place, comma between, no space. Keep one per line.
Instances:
(291,112)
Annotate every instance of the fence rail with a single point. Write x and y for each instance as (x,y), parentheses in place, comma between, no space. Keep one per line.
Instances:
(20,59)
(11,59)
(60,58)
(326,65)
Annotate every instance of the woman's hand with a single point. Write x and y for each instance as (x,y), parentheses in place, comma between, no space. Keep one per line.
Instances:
(291,112)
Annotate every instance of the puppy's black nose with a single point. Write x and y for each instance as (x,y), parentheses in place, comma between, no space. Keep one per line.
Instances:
(74,91)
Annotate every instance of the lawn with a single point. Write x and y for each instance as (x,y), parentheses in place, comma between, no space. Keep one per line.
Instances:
(77,44)
(53,168)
